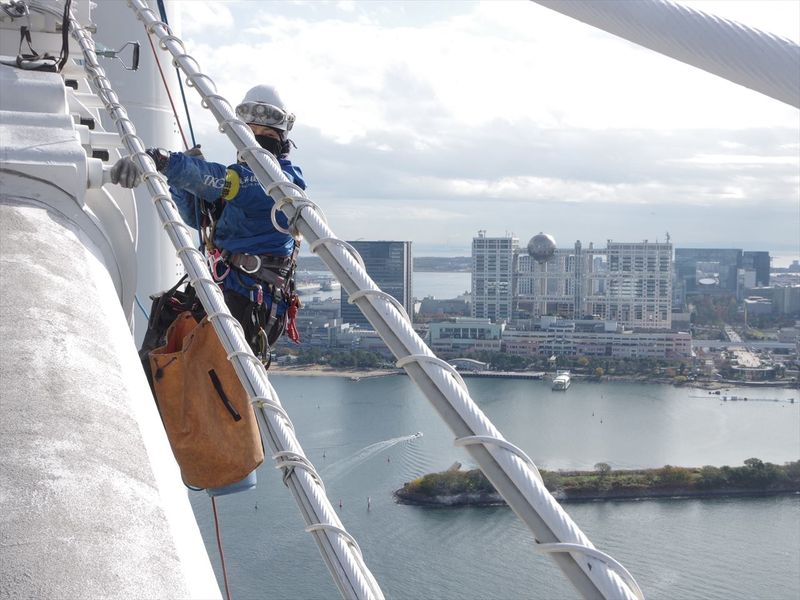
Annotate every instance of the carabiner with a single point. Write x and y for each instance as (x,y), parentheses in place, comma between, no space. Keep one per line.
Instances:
(258,265)
(214,258)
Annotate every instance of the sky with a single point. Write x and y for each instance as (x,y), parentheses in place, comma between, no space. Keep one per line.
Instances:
(429,121)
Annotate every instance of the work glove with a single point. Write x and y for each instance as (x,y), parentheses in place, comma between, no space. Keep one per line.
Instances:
(126,173)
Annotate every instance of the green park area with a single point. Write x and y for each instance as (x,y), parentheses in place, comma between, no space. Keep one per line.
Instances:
(456,487)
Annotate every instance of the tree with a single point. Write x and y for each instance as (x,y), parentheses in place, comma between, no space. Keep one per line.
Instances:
(602,468)
(551,479)
(669,475)
(754,463)
(712,477)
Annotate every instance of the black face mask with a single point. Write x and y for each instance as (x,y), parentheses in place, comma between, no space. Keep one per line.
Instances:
(270,144)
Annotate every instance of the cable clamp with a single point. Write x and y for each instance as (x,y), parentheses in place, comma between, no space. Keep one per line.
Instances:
(613,564)
(297,202)
(289,460)
(501,443)
(328,527)
(380,294)
(220,314)
(434,360)
(339,242)
(264,403)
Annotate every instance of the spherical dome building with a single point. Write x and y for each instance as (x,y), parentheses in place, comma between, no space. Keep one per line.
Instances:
(541,247)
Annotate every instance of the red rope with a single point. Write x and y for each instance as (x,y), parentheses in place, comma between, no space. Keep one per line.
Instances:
(219,545)
(166,87)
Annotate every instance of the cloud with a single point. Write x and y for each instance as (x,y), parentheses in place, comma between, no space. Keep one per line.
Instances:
(433,120)
(205,15)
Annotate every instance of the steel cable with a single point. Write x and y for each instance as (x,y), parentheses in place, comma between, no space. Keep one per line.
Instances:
(512,476)
(343,558)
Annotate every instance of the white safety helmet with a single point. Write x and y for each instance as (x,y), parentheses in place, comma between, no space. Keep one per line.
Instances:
(263,106)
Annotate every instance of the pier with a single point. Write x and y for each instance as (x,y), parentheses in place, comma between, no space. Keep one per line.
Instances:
(503,374)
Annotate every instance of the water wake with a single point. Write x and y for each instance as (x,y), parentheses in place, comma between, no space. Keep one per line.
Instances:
(341,467)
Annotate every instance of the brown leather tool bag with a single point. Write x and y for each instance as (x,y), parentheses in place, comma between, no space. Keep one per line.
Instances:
(208,418)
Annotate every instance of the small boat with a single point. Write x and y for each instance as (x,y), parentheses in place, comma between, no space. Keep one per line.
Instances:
(561,381)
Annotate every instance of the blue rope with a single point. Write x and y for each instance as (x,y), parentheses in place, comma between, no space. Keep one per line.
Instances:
(163,13)
(142,308)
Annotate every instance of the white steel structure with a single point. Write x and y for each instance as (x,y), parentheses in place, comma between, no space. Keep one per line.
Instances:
(761,61)
(91,499)
(493,270)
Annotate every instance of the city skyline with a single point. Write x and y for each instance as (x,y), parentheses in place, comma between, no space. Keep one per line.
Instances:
(777,259)
(430,121)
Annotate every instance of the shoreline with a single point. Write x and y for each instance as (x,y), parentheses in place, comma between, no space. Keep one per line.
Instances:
(324,371)
(562,497)
(356,374)
(455,487)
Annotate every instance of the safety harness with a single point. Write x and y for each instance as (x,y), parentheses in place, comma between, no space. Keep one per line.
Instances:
(274,279)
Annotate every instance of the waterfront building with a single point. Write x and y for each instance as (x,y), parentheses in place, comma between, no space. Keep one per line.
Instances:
(601,341)
(452,307)
(557,286)
(389,264)
(461,336)
(557,337)
(639,285)
(493,277)
(626,282)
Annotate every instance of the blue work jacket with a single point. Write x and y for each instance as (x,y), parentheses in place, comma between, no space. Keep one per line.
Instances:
(245,224)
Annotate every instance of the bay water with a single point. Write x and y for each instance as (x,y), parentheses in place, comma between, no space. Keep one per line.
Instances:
(362,438)
(440,285)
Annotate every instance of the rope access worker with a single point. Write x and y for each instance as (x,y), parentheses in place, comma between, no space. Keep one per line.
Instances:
(233,213)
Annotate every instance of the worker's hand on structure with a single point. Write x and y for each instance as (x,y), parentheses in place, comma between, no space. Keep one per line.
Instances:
(126,173)
(195,152)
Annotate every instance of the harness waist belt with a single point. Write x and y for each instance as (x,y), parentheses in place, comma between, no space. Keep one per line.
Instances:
(262,266)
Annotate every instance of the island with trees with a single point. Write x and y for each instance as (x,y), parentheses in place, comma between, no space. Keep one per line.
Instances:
(455,487)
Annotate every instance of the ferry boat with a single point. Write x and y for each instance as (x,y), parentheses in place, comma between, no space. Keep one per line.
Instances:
(561,381)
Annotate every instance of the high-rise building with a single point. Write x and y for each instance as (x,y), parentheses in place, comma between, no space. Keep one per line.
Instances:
(493,277)
(639,284)
(389,264)
(630,283)
(707,270)
(758,261)
(558,286)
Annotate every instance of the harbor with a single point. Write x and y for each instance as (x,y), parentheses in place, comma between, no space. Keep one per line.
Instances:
(359,437)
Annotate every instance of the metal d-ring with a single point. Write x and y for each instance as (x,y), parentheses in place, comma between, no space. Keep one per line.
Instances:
(258,266)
